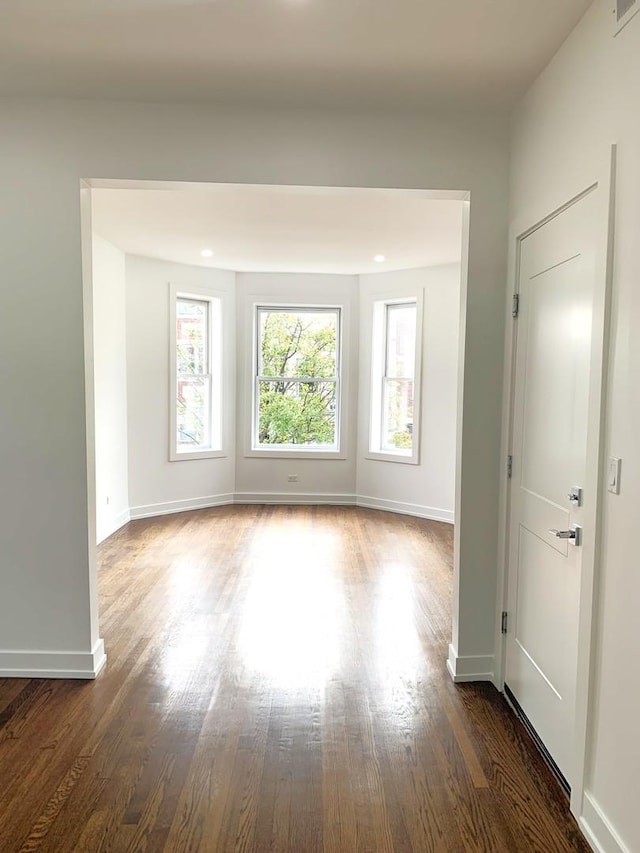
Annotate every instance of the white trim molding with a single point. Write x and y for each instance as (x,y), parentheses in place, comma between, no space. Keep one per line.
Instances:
(429,512)
(217,351)
(379,305)
(334,451)
(248,399)
(116,523)
(293,498)
(304,498)
(470,667)
(169,507)
(597,828)
(84,665)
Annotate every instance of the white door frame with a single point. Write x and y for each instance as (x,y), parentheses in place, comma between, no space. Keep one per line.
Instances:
(604,185)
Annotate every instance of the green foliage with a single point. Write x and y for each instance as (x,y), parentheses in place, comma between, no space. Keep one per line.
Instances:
(402,439)
(294,347)
(302,345)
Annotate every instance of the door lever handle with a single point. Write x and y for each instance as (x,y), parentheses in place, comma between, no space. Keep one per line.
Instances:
(574,534)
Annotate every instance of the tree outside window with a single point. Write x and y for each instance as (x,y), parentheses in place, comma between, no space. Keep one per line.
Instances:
(297,377)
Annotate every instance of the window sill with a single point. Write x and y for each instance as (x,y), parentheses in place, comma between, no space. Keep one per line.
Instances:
(186,455)
(374,456)
(288,453)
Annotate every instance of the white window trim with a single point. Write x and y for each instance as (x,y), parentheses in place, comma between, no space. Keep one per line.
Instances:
(217,308)
(379,303)
(288,451)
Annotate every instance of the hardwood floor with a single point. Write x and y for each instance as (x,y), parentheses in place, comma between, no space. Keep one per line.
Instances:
(276,682)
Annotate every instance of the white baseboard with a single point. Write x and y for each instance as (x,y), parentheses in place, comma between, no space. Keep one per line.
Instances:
(115,524)
(597,829)
(432,513)
(289,498)
(85,665)
(168,507)
(470,667)
(292,498)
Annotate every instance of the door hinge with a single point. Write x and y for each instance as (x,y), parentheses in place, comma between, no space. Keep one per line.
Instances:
(509,467)
(515,305)
(503,622)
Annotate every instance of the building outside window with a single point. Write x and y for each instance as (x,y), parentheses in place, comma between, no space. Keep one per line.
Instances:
(393,431)
(196,355)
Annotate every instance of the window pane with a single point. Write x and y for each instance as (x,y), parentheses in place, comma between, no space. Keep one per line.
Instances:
(300,413)
(397,429)
(401,340)
(193,413)
(298,343)
(191,336)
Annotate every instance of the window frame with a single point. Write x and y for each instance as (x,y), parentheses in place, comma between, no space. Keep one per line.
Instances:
(378,379)
(296,451)
(215,357)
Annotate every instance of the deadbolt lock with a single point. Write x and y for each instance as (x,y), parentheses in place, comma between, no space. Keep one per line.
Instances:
(575,496)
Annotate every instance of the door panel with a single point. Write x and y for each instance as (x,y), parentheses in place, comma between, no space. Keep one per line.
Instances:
(538,572)
(551,396)
(543,516)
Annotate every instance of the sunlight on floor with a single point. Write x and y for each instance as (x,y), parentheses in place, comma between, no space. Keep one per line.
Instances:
(293,612)
(293,623)
(396,639)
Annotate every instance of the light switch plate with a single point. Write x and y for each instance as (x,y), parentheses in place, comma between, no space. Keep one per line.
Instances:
(613,475)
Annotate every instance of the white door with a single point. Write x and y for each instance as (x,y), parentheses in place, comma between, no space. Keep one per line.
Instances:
(552,372)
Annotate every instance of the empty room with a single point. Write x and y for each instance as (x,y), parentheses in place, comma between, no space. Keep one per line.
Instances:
(319,420)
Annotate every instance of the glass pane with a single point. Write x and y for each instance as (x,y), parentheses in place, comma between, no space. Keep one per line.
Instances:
(401,340)
(191,336)
(300,413)
(298,343)
(193,413)
(397,428)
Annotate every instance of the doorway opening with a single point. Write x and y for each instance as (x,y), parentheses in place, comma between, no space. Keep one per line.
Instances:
(185,282)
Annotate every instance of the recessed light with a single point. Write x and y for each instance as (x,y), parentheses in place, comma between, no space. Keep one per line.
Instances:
(207,253)
(379,259)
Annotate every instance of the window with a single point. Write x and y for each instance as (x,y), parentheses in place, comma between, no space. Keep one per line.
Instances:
(196,355)
(395,381)
(297,379)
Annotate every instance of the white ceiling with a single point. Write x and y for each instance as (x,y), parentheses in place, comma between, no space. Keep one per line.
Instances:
(282,229)
(382,53)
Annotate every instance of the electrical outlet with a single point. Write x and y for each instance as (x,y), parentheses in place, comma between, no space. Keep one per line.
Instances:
(292,478)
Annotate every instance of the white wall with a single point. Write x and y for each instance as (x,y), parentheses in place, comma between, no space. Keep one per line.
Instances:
(49,598)
(157,485)
(587,99)
(257,476)
(110,374)
(425,489)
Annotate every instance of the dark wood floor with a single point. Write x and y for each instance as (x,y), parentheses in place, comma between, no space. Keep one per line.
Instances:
(276,682)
